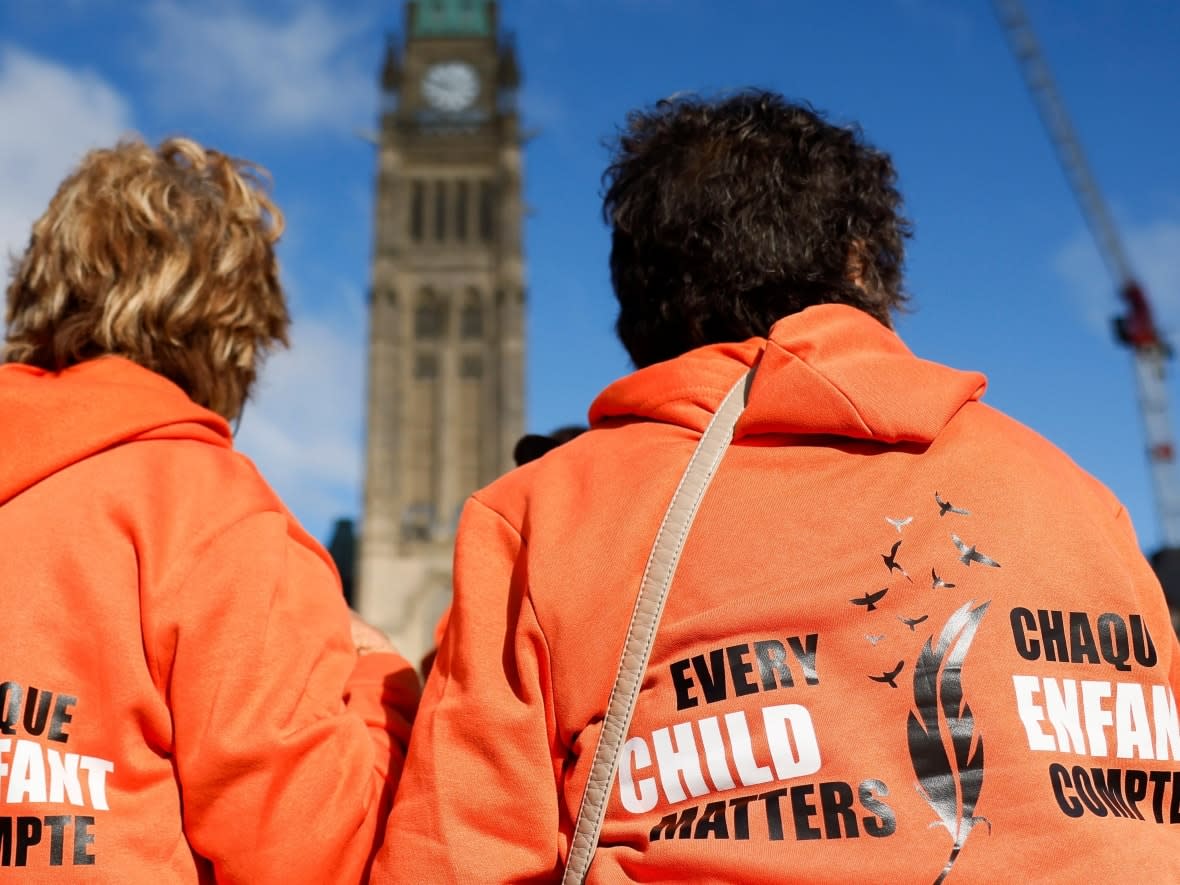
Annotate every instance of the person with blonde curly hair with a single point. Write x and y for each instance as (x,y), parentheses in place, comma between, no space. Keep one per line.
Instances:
(186,696)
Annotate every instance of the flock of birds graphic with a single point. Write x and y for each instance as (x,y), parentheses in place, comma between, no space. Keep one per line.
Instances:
(967,555)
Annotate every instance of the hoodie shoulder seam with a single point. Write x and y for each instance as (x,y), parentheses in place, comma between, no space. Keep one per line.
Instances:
(527,599)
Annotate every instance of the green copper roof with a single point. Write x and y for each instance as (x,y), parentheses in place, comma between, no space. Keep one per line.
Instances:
(451,18)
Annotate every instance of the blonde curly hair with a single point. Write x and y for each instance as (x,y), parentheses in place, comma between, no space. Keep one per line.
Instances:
(163,256)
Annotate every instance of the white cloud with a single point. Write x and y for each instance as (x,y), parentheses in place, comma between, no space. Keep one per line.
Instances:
(51,115)
(542,108)
(303,428)
(1154,253)
(293,73)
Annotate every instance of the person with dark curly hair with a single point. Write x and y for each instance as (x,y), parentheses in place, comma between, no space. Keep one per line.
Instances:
(798,606)
(725,218)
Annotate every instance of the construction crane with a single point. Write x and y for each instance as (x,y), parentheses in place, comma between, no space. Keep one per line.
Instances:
(1136,327)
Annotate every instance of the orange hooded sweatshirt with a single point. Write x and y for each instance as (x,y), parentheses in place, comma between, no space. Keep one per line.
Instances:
(180,700)
(909,641)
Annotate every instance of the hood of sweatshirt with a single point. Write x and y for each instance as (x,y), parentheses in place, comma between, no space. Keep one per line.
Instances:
(50,420)
(830,370)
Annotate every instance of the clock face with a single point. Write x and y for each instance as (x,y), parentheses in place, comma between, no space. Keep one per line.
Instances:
(450,86)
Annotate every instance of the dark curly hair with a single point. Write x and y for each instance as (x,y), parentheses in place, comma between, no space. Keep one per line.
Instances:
(727,215)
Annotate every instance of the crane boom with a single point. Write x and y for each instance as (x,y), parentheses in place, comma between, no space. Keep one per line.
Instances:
(1065,140)
(1136,328)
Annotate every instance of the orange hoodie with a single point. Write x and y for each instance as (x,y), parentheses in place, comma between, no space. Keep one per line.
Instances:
(909,641)
(180,697)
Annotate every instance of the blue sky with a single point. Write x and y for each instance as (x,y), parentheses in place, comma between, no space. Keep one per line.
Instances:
(1003,273)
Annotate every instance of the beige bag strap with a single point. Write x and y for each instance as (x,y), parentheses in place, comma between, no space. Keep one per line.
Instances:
(653,591)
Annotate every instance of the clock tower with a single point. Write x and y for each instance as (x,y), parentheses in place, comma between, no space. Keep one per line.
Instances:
(446,314)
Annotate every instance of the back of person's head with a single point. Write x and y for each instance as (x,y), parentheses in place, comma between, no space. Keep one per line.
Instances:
(729,214)
(163,256)
(532,446)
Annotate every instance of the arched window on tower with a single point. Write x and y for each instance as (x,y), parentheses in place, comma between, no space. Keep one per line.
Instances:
(471,316)
(440,210)
(487,211)
(417,521)
(426,366)
(430,319)
(471,367)
(461,198)
(417,211)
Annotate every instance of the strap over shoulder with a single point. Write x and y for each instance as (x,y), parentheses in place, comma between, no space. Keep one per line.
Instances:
(645,619)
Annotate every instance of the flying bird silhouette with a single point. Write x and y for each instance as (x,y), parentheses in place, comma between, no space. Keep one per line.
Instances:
(899,524)
(945,507)
(874,638)
(870,599)
(912,622)
(891,562)
(970,554)
(887,678)
(939,582)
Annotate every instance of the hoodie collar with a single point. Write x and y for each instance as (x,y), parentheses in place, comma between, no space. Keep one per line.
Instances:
(50,420)
(829,370)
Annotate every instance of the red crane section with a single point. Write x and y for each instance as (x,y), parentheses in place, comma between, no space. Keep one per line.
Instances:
(1136,328)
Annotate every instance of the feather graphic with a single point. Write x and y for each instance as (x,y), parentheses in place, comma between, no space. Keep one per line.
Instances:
(945,750)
